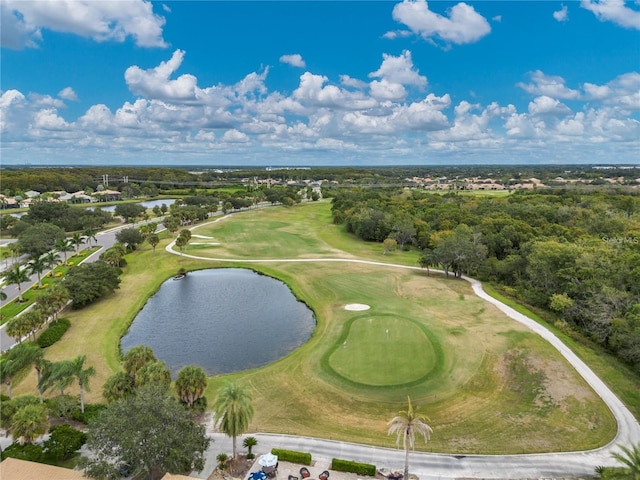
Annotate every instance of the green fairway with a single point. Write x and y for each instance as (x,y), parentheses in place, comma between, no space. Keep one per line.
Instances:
(487,384)
(375,349)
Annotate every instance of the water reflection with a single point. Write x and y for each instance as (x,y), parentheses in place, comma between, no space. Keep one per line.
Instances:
(223,320)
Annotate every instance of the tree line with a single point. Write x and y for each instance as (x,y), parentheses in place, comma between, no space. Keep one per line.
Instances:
(575,253)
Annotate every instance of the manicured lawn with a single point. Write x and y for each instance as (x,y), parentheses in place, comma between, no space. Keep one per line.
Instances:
(487,384)
(374,351)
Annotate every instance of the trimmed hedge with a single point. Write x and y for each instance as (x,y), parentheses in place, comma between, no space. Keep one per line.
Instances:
(54,332)
(340,465)
(292,456)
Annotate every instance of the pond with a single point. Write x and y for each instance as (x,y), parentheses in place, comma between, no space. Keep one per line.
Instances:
(145,204)
(223,320)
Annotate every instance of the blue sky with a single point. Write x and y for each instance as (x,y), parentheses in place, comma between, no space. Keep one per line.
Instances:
(133,82)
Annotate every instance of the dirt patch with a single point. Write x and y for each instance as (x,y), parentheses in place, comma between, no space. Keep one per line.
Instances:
(559,386)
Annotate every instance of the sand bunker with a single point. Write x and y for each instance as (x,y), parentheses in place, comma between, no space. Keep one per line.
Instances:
(356,307)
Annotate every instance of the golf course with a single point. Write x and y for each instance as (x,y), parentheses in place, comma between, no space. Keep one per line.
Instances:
(486,383)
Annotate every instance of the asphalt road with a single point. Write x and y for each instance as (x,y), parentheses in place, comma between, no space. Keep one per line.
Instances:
(105,239)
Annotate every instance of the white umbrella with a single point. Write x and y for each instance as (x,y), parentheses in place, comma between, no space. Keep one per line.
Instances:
(268,460)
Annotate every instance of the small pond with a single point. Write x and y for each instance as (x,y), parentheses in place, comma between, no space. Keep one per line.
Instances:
(145,204)
(223,320)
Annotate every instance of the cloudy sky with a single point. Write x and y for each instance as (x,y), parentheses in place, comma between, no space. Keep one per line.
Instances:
(319,83)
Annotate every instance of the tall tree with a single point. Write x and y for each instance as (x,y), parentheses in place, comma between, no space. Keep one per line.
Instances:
(52,259)
(17,276)
(181,242)
(131,237)
(15,361)
(17,328)
(63,246)
(150,431)
(76,240)
(39,239)
(406,424)
(191,384)
(52,300)
(153,240)
(38,265)
(90,234)
(90,281)
(82,375)
(233,411)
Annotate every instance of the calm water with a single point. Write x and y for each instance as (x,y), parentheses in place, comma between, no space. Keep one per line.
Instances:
(223,320)
(147,204)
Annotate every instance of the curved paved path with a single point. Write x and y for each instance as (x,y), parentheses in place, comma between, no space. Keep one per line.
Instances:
(443,466)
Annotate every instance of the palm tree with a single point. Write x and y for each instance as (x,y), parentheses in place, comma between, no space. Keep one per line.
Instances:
(51,301)
(37,266)
(17,328)
(29,423)
(33,320)
(90,234)
(83,375)
(233,411)
(17,276)
(630,457)
(136,358)
(405,425)
(76,240)
(52,259)
(118,386)
(14,361)
(58,375)
(156,373)
(249,443)
(63,245)
(191,384)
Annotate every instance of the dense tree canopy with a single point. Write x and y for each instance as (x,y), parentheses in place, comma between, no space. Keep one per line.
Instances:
(89,281)
(150,431)
(38,239)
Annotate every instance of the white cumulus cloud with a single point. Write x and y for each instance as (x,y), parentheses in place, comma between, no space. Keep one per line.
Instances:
(155,82)
(544,105)
(295,60)
(462,25)
(615,11)
(68,93)
(400,70)
(22,22)
(549,85)
(562,15)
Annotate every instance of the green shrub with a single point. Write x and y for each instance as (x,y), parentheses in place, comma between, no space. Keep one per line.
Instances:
(292,456)
(91,411)
(353,467)
(32,453)
(63,406)
(63,441)
(54,333)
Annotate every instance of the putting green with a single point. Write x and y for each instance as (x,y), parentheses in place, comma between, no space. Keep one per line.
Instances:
(383,351)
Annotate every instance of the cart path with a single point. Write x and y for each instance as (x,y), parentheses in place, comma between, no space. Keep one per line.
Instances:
(443,466)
